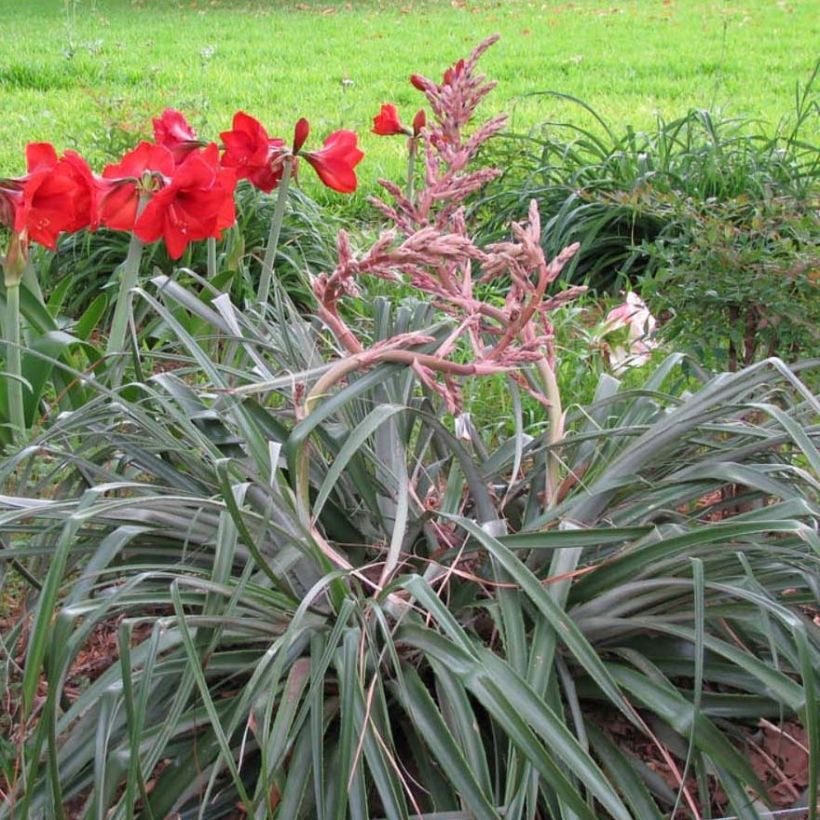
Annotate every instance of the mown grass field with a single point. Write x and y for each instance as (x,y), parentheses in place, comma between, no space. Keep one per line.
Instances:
(89,74)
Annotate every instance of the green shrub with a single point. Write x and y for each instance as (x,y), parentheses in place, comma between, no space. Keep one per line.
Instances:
(740,281)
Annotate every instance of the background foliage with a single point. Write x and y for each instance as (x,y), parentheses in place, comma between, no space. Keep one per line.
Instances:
(89,74)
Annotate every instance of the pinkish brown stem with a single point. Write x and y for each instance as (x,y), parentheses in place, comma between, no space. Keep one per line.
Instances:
(327,313)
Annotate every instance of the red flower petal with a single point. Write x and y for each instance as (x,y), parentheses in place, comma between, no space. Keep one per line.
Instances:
(335,162)
(386,123)
(197,204)
(174,132)
(250,150)
(118,192)
(56,195)
(118,201)
(247,145)
(40,155)
(147,156)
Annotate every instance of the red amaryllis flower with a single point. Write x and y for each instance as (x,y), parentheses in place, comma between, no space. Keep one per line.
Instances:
(142,171)
(386,123)
(254,155)
(196,204)
(174,132)
(56,195)
(335,161)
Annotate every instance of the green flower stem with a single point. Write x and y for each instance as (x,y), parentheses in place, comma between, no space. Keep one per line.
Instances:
(273,236)
(14,365)
(211,245)
(128,281)
(31,281)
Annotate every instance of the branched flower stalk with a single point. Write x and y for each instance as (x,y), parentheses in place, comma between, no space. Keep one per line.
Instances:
(429,246)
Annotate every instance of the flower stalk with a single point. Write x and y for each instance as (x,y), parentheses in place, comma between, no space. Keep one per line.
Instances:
(13,265)
(14,362)
(430,248)
(211,245)
(128,281)
(266,276)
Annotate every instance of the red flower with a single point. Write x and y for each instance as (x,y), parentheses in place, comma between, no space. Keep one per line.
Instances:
(196,204)
(386,123)
(56,195)
(253,154)
(334,163)
(145,169)
(174,132)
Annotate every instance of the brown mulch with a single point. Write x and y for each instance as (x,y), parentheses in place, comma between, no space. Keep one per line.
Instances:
(100,651)
(778,754)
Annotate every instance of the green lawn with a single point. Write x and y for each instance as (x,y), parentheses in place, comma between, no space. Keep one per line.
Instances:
(78,73)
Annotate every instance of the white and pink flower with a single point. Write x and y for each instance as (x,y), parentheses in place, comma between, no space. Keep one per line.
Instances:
(636,349)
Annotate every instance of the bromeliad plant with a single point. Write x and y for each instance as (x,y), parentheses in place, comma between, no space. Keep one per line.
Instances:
(328,604)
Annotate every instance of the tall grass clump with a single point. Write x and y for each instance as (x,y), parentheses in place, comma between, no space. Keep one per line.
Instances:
(711,218)
(333,596)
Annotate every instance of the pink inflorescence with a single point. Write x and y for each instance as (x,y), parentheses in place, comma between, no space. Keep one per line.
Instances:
(430,248)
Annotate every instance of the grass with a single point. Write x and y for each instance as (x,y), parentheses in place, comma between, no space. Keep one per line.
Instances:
(89,74)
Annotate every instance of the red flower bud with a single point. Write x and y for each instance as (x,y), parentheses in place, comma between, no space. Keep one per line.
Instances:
(417,81)
(300,134)
(453,72)
(419,121)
